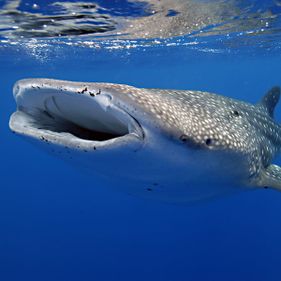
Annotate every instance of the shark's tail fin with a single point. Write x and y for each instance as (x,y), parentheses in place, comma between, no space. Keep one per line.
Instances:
(270,100)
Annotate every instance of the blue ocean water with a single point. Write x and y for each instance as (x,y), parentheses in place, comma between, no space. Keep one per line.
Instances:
(58,223)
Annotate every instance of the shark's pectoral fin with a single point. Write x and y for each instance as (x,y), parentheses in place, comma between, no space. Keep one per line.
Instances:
(270,177)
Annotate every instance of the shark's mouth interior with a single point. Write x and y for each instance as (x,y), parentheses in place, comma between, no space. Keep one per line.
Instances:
(46,120)
(69,115)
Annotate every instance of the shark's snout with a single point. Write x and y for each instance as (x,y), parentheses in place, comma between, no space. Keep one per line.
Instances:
(72,114)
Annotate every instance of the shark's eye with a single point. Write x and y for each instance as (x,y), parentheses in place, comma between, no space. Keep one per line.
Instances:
(183,138)
(208,141)
(235,113)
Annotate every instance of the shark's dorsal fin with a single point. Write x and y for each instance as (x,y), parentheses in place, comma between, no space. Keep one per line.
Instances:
(270,177)
(270,100)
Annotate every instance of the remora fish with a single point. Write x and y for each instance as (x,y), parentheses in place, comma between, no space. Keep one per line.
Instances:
(172,145)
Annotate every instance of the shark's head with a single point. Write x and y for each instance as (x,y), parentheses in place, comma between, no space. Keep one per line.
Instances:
(73,115)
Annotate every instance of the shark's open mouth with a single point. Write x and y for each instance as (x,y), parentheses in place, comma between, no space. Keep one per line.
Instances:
(70,115)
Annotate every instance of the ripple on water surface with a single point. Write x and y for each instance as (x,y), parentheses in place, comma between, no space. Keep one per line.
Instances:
(211,26)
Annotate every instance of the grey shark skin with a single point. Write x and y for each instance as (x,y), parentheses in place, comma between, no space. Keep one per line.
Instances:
(171,145)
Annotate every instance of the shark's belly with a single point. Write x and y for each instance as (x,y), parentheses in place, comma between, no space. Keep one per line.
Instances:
(152,173)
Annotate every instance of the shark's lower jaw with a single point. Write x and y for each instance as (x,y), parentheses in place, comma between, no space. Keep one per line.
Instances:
(70,117)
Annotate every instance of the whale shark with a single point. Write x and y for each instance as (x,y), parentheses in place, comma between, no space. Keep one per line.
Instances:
(169,145)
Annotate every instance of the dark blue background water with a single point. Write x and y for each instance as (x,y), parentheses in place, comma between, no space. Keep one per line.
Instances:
(57,223)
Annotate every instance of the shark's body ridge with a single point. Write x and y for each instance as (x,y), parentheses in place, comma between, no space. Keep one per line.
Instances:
(174,145)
